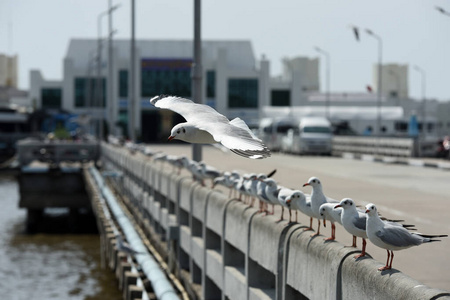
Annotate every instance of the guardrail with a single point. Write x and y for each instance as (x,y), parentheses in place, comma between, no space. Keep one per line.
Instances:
(399,147)
(230,251)
(55,152)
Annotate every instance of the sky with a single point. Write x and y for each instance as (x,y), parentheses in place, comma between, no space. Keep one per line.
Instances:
(413,32)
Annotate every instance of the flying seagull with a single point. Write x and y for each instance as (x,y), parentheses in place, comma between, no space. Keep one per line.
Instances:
(206,126)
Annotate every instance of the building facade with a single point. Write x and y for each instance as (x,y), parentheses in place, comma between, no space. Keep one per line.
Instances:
(235,83)
(8,71)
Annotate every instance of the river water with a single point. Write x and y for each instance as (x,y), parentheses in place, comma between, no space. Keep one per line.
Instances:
(47,265)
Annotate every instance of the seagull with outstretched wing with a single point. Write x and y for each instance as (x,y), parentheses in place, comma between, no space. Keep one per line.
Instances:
(206,126)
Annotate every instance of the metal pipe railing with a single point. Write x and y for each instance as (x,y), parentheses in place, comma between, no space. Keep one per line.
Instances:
(161,285)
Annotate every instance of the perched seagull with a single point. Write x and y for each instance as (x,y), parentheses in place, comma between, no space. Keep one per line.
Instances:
(206,126)
(125,247)
(272,191)
(354,222)
(209,172)
(297,201)
(283,196)
(391,236)
(328,212)
(317,199)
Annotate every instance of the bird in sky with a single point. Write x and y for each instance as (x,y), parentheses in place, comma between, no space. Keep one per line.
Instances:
(204,125)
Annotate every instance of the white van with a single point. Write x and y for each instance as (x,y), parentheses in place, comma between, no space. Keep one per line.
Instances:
(312,136)
(273,130)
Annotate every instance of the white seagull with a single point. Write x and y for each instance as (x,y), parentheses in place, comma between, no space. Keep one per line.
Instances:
(391,236)
(354,222)
(328,212)
(317,199)
(297,201)
(206,126)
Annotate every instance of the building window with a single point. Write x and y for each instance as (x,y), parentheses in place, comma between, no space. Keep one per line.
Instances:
(281,98)
(401,126)
(123,83)
(242,93)
(166,76)
(86,92)
(211,84)
(51,97)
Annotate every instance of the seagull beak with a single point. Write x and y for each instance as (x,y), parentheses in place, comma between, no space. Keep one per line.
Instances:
(305,184)
(337,206)
(324,222)
(367,211)
(170,138)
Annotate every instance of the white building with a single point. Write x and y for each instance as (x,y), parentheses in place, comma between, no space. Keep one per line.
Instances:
(234,82)
(394,80)
(8,70)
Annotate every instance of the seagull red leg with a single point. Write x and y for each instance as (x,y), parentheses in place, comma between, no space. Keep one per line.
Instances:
(333,230)
(363,251)
(318,228)
(387,262)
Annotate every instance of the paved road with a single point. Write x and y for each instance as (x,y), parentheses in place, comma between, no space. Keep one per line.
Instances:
(419,195)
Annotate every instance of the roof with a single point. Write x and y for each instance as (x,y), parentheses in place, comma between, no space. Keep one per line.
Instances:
(239,52)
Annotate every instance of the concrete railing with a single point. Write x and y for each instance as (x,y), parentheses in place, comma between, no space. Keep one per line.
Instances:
(229,251)
(398,147)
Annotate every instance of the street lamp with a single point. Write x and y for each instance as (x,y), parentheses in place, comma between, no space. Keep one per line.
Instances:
(110,85)
(132,93)
(99,85)
(380,50)
(327,55)
(423,75)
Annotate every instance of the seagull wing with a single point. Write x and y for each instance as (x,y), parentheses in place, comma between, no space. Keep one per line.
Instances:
(234,135)
(192,112)
(360,222)
(398,236)
(239,141)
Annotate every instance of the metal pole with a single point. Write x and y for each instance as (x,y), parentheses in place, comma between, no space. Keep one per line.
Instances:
(99,85)
(379,88)
(197,94)
(327,78)
(424,113)
(380,70)
(110,71)
(132,101)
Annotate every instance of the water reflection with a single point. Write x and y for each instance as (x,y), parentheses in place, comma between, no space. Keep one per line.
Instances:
(47,266)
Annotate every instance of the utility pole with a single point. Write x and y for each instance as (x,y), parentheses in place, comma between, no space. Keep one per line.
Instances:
(197,71)
(132,100)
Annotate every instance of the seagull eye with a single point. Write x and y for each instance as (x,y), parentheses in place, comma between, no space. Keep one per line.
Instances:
(351,203)
(178,131)
(184,130)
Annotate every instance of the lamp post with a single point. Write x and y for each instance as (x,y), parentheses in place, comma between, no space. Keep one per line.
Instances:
(327,104)
(424,114)
(110,85)
(379,89)
(99,85)
(132,101)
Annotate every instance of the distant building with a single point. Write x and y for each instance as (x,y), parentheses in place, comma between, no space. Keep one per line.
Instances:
(394,80)
(235,83)
(8,71)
